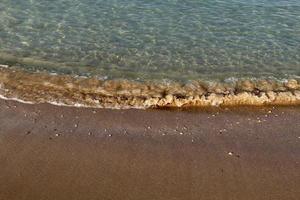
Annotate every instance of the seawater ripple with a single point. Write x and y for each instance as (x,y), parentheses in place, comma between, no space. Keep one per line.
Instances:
(146,40)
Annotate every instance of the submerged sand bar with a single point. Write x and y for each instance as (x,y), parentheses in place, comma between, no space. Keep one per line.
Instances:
(92,92)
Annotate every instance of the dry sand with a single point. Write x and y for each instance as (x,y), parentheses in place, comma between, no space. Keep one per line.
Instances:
(51,152)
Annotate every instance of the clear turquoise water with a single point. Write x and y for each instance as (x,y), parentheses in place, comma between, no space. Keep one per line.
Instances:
(154,39)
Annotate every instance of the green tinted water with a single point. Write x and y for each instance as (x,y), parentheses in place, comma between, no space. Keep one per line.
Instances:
(153,39)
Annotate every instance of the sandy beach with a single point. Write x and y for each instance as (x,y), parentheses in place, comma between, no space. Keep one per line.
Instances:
(52,152)
(149,100)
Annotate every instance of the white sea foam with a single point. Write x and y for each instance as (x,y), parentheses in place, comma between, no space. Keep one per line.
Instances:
(3,66)
(76,105)
(15,99)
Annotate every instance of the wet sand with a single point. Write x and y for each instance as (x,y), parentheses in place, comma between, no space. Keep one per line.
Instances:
(52,152)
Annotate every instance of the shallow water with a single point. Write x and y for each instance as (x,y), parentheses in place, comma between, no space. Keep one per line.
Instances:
(142,53)
(147,40)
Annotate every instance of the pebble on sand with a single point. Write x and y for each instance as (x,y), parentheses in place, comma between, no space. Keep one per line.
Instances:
(233,154)
(222,131)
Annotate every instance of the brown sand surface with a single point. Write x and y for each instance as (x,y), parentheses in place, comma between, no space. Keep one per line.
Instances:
(52,152)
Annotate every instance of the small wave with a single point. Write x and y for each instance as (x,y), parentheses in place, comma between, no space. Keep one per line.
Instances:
(67,90)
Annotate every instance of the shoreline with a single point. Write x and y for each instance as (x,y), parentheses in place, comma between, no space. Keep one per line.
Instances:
(52,152)
(41,87)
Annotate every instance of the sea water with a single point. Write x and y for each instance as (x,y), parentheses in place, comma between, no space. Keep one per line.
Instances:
(176,41)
